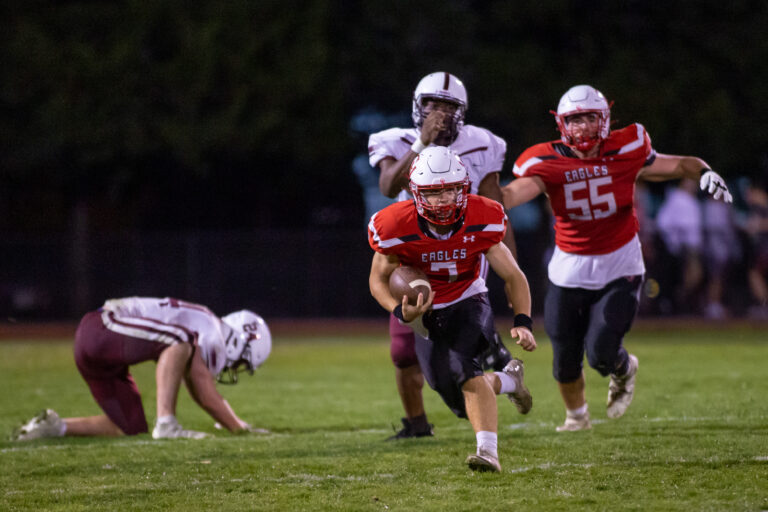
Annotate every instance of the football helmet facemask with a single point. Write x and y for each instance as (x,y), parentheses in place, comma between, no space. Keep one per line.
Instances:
(581,99)
(435,169)
(441,86)
(248,347)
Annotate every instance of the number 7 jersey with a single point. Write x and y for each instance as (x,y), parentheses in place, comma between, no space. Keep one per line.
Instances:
(593,198)
(452,264)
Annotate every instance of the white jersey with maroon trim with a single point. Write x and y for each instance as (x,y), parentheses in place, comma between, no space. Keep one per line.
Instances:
(593,198)
(481,151)
(170,321)
(452,264)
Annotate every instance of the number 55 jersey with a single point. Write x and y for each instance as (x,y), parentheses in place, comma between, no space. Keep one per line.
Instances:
(593,203)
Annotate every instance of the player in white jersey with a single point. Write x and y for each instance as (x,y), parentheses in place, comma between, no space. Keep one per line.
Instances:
(188,342)
(438,109)
(597,267)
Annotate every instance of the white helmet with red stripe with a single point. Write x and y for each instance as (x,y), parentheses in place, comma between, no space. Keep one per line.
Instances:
(248,347)
(581,99)
(441,86)
(435,169)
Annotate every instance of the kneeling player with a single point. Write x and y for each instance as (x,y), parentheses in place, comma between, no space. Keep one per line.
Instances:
(189,343)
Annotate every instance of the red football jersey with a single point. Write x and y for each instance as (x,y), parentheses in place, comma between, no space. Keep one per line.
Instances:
(592,199)
(452,265)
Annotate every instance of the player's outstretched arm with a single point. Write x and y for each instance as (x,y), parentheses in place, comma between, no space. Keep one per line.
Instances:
(521,190)
(674,167)
(517,289)
(202,389)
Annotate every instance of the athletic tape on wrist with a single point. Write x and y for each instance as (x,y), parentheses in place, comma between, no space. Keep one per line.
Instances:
(418,146)
(522,320)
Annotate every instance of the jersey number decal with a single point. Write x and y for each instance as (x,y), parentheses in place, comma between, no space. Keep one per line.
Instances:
(453,273)
(176,303)
(596,199)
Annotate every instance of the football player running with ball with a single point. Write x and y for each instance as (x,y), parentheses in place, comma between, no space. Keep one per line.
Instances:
(189,343)
(445,231)
(597,268)
(439,105)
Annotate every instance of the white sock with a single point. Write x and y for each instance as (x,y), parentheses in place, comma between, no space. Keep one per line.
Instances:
(507,382)
(63,428)
(166,419)
(488,441)
(575,413)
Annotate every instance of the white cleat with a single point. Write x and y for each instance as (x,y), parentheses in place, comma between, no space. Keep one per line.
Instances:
(521,397)
(484,462)
(172,430)
(621,390)
(575,423)
(45,424)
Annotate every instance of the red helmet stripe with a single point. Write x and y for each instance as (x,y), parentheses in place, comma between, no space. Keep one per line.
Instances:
(446,81)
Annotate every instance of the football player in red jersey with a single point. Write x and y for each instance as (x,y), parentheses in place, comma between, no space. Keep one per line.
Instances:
(444,232)
(597,267)
(187,341)
(439,105)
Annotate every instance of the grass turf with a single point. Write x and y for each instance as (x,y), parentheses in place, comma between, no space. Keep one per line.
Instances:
(695,438)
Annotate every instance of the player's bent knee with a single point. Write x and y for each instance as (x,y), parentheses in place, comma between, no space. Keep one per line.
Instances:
(402,350)
(567,375)
(403,358)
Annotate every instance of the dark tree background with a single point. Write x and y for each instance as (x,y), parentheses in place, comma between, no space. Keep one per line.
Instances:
(177,117)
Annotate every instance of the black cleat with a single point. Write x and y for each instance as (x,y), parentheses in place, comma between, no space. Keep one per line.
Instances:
(409,431)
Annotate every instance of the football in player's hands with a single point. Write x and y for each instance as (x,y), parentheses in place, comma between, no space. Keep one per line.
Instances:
(409,281)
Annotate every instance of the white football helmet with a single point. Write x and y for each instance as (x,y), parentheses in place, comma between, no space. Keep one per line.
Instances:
(444,87)
(248,348)
(579,99)
(436,168)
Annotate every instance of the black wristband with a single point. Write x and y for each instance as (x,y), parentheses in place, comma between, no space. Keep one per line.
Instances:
(705,169)
(398,312)
(522,320)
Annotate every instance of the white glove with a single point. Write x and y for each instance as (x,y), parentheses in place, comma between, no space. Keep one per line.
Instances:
(417,325)
(172,430)
(713,184)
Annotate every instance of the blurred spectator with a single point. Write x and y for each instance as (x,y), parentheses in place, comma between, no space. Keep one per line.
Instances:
(756,225)
(679,226)
(721,250)
(649,240)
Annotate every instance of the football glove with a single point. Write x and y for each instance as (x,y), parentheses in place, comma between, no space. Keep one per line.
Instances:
(713,184)
(417,325)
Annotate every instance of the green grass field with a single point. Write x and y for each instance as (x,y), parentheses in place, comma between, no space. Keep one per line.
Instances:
(695,438)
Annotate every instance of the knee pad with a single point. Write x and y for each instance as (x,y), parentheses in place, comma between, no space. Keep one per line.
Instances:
(601,365)
(606,366)
(567,374)
(402,344)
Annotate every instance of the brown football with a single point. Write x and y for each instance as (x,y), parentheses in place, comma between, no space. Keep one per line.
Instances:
(409,281)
